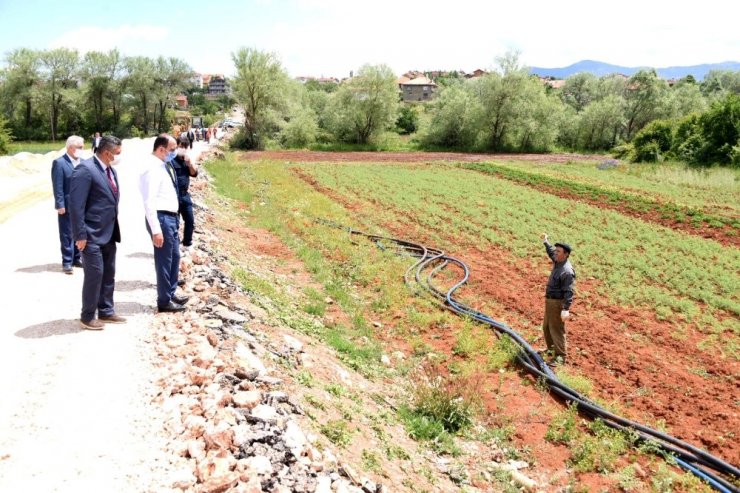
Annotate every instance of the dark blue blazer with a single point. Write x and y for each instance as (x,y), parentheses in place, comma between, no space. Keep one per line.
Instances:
(61,172)
(93,205)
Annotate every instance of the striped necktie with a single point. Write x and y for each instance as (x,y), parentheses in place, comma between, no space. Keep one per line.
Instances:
(111,180)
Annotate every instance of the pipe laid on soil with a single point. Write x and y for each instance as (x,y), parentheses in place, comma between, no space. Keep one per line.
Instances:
(705,466)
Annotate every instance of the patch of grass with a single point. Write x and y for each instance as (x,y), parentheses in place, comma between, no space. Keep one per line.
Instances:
(579,383)
(627,478)
(314,401)
(371,462)
(35,147)
(305,378)
(393,452)
(468,340)
(254,284)
(598,452)
(338,432)
(428,429)
(502,354)
(335,389)
(363,356)
(316,305)
(563,427)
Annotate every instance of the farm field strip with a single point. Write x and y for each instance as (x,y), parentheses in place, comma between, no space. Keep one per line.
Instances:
(683,219)
(638,263)
(713,191)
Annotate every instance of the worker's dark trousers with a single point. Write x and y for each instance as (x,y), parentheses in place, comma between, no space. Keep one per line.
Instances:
(554,328)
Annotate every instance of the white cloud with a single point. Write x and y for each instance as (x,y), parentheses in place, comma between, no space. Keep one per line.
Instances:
(127,38)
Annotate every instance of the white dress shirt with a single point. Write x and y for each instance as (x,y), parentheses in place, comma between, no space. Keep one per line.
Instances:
(75,162)
(158,192)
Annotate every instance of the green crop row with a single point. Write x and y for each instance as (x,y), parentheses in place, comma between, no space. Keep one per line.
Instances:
(714,191)
(632,202)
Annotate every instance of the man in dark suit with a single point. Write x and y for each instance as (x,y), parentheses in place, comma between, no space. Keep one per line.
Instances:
(95,142)
(94,215)
(61,174)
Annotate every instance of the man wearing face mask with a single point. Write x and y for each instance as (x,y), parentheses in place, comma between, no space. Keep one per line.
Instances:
(185,169)
(61,175)
(93,208)
(158,188)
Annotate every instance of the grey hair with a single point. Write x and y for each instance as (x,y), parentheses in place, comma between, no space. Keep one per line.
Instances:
(74,140)
(108,143)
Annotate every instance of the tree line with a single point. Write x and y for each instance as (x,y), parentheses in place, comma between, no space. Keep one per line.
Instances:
(641,117)
(50,94)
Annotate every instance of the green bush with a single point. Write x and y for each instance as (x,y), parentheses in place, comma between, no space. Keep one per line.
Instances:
(243,141)
(300,131)
(6,137)
(653,142)
(408,120)
(721,130)
(449,401)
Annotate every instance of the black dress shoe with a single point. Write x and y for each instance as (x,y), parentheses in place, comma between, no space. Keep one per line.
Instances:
(181,300)
(171,307)
(77,263)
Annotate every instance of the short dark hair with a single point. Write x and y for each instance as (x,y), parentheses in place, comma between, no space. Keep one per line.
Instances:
(162,140)
(108,143)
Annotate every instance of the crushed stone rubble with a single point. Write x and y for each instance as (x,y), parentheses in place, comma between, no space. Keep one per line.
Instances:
(231,425)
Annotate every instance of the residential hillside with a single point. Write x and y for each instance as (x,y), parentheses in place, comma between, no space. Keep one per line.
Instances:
(600,69)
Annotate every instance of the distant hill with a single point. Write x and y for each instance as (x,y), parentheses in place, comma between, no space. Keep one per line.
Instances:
(601,69)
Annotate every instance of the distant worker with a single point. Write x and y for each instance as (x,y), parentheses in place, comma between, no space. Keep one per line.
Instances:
(185,169)
(61,174)
(558,298)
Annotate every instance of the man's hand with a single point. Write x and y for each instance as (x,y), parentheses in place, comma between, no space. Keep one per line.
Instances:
(158,240)
(61,211)
(81,244)
(564,315)
(544,237)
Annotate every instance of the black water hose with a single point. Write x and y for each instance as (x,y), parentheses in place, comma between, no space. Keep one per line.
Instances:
(697,461)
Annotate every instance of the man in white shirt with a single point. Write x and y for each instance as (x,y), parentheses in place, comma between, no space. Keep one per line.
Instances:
(159,191)
(61,174)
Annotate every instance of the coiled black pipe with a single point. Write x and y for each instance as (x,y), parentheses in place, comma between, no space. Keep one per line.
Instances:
(719,474)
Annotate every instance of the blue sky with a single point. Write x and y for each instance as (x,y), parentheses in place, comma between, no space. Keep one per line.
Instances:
(333,37)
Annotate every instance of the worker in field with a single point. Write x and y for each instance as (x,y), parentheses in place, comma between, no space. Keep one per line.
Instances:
(558,298)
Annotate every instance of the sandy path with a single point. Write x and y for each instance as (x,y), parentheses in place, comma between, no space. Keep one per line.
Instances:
(75,411)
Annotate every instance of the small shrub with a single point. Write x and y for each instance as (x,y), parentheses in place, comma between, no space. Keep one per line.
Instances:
(563,428)
(408,120)
(371,462)
(337,432)
(305,378)
(448,401)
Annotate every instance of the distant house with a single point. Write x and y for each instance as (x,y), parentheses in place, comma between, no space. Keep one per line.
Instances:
(476,73)
(181,102)
(555,83)
(196,80)
(217,86)
(418,89)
